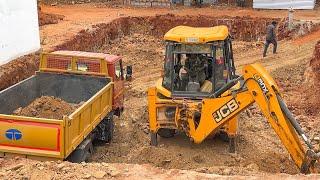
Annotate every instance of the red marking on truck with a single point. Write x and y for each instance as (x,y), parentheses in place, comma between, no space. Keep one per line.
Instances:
(54,126)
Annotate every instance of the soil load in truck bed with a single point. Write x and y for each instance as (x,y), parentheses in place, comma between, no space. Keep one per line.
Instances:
(47,107)
(48,89)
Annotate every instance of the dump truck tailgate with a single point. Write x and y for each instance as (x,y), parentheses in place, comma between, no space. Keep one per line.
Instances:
(31,136)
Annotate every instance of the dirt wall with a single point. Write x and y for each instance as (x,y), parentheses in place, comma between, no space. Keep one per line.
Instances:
(315,63)
(18,69)
(248,3)
(55,2)
(241,28)
(46,18)
(312,81)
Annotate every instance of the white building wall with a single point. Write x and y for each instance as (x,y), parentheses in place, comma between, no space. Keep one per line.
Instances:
(19,29)
(283,4)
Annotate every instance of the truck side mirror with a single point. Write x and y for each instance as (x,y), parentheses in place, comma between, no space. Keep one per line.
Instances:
(129,73)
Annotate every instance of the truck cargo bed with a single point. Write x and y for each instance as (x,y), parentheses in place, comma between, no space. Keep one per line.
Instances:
(70,88)
(53,138)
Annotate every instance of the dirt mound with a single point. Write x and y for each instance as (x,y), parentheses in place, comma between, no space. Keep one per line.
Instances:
(45,18)
(315,64)
(61,2)
(18,69)
(246,28)
(312,82)
(300,28)
(20,168)
(241,28)
(47,107)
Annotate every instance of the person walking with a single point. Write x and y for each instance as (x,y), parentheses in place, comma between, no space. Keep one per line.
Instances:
(271,38)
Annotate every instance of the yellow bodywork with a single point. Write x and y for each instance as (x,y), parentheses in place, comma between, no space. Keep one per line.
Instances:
(55,138)
(186,34)
(222,112)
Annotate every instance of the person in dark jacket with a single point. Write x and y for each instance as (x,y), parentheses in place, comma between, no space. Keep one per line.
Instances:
(271,38)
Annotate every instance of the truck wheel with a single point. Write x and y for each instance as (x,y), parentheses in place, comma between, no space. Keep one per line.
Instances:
(82,152)
(109,129)
(154,141)
(105,130)
(166,133)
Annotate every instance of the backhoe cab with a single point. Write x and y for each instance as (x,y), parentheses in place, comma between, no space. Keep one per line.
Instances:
(198,62)
(200,94)
(197,65)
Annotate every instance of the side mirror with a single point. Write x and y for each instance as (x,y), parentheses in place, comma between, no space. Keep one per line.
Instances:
(129,73)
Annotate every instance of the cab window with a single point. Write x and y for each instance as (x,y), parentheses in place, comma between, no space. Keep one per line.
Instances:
(119,70)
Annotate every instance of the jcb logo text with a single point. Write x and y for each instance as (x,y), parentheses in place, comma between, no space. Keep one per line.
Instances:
(225,110)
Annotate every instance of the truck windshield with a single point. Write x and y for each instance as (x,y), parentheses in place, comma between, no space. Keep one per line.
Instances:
(196,68)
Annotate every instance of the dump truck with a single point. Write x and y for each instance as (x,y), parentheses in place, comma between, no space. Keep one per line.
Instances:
(95,79)
(201,94)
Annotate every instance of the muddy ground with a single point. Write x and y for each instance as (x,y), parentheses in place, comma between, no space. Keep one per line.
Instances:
(143,48)
(138,41)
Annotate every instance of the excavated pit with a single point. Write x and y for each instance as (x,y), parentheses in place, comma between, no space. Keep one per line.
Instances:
(139,41)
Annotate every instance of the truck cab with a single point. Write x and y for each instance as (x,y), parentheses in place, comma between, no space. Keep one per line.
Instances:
(99,64)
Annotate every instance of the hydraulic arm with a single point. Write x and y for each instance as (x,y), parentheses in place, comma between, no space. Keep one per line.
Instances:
(265,93)
(258,87)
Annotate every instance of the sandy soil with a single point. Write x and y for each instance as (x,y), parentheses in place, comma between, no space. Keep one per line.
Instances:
(259,150)
(255,154)
(47,18)
(19,168)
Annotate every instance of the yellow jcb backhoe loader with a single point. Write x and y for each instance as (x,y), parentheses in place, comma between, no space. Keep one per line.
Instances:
(201,95)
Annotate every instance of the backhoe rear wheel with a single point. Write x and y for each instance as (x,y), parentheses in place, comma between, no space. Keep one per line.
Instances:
(166,133)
